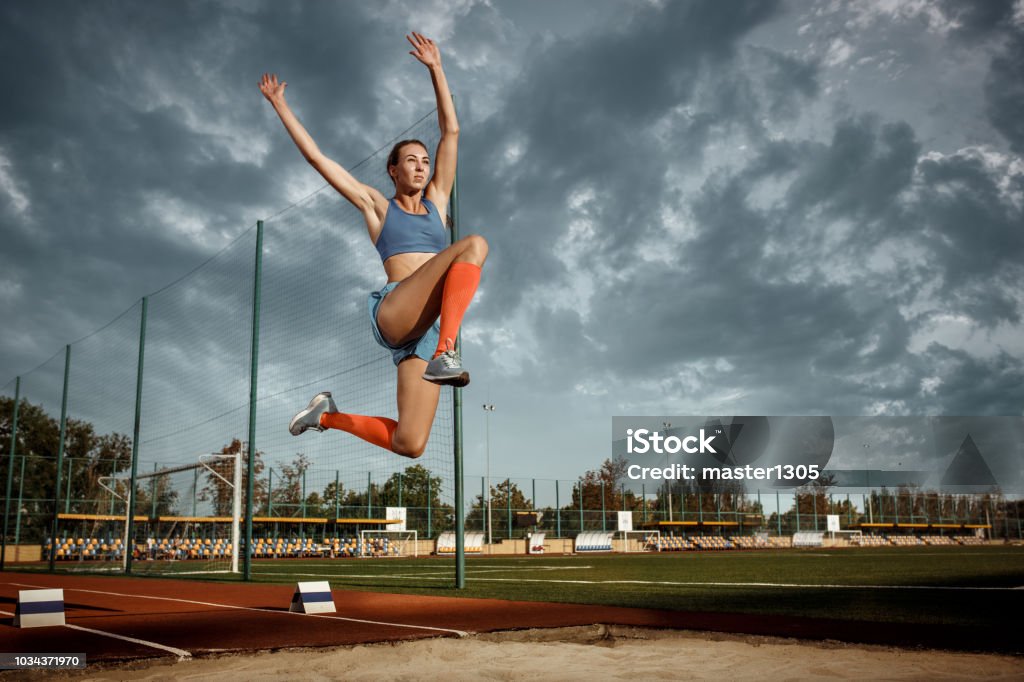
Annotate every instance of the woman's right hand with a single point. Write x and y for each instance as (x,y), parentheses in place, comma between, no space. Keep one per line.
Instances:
(271,88)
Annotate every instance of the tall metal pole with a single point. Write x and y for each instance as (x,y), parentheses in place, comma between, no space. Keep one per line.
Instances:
(668,486)
(558,512)
(17,515)
(488,408)
(236,510)
(460,505)
(67,494)
(60,447)
(10,478)
(257,284)
(130,526)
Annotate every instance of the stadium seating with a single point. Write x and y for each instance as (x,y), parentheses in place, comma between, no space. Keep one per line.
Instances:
(905,540)
(872,541)
(969,540)
(938,540)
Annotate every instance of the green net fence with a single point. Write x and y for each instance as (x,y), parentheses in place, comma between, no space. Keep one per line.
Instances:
(318,266)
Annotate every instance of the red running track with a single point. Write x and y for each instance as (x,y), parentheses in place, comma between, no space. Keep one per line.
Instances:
(189,618)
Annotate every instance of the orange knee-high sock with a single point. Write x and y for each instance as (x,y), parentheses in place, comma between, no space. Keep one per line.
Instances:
(377,430)
(459,286)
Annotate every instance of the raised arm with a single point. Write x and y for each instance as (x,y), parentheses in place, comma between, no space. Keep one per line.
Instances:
(440,187)
(370,202)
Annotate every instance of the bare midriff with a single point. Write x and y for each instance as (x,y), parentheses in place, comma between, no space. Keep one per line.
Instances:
(401,265)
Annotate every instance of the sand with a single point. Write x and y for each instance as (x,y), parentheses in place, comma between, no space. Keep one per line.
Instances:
(591,654)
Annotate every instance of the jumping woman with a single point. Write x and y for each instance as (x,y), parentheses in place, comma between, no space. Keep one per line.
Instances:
(416,315)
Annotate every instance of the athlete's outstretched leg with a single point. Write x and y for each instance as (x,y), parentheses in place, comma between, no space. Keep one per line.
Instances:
(417,404)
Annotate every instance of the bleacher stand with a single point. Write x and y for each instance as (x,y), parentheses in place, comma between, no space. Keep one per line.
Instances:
(673,543)
(970,540)
(710,542)
(873,541)
(905,540)
(938,540)
(750,542)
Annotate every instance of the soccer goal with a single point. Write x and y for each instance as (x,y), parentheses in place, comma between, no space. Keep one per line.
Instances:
(388,543)
(852,537)
(641,540)
(189,514)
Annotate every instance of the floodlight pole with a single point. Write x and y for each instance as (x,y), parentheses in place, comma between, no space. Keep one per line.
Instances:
(488,408)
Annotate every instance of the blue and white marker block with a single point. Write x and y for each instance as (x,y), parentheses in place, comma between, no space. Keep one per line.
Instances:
(39,608)
(313,598)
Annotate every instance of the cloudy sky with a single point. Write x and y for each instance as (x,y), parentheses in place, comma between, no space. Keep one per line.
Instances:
(694,208)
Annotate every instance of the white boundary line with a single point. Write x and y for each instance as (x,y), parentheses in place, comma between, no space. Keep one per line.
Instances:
(656,583)
(460,633)
(471,578)
(180,653)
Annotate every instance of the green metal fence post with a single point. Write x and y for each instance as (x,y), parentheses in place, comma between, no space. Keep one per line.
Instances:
(460,506)
(152,493)
(337,493)
(67,493)
(60,448)
(129,543)
(604,513)
(508,503)
(10,476)
(581,506)
(558,512)
(254,355)
(430,511)
(17,512)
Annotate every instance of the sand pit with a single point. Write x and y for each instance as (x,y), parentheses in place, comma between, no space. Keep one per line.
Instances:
(591,653)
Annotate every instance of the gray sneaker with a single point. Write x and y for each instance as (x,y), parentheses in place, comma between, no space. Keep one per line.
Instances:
(446,370)
(309,418)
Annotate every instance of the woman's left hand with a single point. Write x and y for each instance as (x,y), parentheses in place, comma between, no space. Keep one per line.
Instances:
(426,51)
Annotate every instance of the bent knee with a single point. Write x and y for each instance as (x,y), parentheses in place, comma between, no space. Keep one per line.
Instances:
(411,448)
(476,248)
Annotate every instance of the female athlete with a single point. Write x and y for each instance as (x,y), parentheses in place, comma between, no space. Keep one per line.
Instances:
(417,314)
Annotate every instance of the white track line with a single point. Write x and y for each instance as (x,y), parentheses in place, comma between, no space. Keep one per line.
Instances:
(460,633)
(656,583)
(180,653)
(412,575)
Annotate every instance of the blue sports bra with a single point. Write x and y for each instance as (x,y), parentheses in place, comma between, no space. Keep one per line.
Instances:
(410,233)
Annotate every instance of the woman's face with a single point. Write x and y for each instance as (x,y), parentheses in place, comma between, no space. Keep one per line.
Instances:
(413,167)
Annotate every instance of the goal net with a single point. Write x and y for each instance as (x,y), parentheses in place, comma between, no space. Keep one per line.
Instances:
(187,519)
(641,540)
(388,543)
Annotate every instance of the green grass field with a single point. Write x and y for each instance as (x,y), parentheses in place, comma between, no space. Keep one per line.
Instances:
(980,586)
(975,586)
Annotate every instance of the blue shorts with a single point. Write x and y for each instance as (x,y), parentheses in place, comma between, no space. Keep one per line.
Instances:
(423,347)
